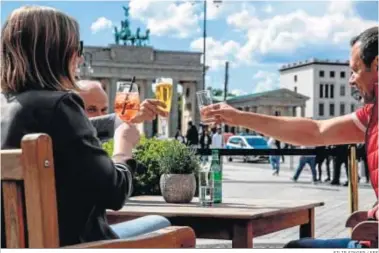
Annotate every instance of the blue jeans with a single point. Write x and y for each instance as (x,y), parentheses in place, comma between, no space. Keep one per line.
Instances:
(340,243)
(304,160)
(275,163)
(140,226)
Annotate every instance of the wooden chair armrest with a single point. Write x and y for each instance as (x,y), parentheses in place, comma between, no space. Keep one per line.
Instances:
(355,218)
(170,237)
(366,231)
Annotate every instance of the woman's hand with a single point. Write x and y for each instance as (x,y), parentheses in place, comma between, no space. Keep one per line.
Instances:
(149,109)
(126,137)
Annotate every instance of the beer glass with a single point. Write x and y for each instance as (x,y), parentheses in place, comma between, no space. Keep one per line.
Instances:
(127,101)
(204,98)
(163,92)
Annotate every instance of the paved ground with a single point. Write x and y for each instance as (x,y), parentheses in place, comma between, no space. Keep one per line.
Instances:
(254,180)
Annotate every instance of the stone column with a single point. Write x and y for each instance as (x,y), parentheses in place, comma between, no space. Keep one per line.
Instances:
(197,86)
(185,113)
(289,111)
(303,111)
(173,120)
(142,96)
(112,93)
(148,94)
(270,110)
(190,110)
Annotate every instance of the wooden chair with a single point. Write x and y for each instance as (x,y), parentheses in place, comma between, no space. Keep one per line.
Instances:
(363,229)
(30,208)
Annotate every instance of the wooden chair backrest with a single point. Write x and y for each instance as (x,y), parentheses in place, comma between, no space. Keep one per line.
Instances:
(29,195)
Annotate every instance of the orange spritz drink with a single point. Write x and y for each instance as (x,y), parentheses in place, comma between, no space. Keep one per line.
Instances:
(127,105)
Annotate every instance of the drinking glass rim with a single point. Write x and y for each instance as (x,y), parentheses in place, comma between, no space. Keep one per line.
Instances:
(164,83)
(203,91)
(132,84)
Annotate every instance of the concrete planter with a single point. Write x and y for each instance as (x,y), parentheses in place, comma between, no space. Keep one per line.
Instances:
(178,188)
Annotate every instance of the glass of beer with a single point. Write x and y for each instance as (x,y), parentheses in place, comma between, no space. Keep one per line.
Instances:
(163,92)
(204,98)
(127,101)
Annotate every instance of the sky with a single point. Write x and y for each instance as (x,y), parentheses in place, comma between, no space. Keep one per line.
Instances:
(256,37)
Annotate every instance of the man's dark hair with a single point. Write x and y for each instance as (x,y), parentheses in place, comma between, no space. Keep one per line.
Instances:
(369,45)
(190,123)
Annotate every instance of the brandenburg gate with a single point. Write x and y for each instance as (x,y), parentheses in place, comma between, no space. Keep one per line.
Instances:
(115,63)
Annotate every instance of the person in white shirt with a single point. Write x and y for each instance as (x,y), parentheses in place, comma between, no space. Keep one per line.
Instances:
(274,159)
(217,139)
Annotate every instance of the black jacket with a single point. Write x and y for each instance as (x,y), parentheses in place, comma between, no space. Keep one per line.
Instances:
(202,141)
(87,180)
(192,136)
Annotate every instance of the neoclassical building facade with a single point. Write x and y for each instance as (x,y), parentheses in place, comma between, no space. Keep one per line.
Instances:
(280,102)
(116,63)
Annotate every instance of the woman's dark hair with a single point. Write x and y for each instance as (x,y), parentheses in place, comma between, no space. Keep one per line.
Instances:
(37,45)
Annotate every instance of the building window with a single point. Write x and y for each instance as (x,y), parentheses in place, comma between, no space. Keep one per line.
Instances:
(332,91)
(295,78)
(352,91)
(326,90)
(321,73)
(332,74)
(331,109)
(295,89)
(321,109)
(342,90)
(352,107)
(321,91)
(342,74)
(277,113)
(342,109)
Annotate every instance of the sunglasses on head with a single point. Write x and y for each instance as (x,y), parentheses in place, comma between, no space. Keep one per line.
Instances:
(80,50)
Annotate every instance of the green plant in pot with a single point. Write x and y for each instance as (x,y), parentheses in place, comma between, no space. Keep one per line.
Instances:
(178,166)
(147,153)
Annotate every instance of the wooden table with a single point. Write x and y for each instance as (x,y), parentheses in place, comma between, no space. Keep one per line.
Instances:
(239,220)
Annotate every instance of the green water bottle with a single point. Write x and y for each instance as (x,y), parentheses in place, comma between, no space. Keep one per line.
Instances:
(217,177)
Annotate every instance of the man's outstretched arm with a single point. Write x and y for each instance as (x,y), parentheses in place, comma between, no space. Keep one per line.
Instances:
(294,130)
(303,131)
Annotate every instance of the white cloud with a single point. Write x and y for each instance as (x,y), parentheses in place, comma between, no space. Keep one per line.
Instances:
(286,33)
(217,10)
(217,52)
(265,81)
(238,92)
(343,7)
(101,23)
(268,9)
(166,17)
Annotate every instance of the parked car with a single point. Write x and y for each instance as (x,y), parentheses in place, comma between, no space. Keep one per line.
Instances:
(247,142)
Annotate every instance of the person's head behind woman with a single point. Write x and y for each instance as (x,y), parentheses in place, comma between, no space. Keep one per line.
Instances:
(40,49)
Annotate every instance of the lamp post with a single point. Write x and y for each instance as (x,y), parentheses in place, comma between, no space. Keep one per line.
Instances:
(86,68)
(217,3)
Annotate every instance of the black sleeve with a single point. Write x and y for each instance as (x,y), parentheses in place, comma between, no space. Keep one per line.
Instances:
(89,166)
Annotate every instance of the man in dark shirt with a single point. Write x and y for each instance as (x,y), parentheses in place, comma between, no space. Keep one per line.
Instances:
(192,135)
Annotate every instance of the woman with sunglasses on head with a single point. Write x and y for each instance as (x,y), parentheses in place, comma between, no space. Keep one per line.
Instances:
(40,51)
